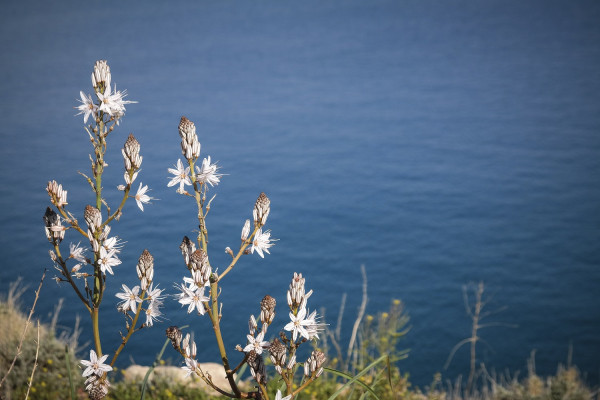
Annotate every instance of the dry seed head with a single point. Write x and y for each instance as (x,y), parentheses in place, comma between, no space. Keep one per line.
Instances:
(131,153)
(58,196)
(101,76)
(187,247)
(267,309)
(145,269)
(262,207)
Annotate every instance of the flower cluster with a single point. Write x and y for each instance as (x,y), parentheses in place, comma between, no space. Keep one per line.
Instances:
(95,373)
(190,147)
(132,300)
(104,110)
(110,102)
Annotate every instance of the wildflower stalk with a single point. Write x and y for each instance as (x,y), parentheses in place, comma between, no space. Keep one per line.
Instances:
(130,331)
(67,275)
(243,247)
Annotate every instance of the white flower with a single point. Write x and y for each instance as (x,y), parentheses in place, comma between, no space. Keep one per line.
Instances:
(181,176)
(108,259)
(152,312)
(95,365)
(113,104)
(77,252)
(153,295)
(208,173)
(278,396)
(87,107)
(113,244)
(193,298)
(313,327)
(130,298)
(297,324)
(262,242)
(141,196)
(257,344)
(190,366)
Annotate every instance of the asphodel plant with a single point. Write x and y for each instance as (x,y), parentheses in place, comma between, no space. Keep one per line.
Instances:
(202,287)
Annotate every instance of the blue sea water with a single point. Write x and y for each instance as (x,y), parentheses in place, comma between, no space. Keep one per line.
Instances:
(437,143)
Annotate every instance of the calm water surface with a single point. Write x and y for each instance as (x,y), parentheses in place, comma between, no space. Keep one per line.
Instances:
(436,143)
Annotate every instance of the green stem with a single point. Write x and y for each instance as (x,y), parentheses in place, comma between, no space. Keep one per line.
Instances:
(96,329)
(238,255)
(129,332)
(214,286)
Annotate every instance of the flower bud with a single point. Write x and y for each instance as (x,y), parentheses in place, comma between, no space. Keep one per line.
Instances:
(131,153)
(262,207)
(246,230)
(200,267)
(58,196)
(257,367)
(145,269)
(101,76)
(175,335)
(93,217)
(267,309)
(54,228)
(277,352)
(187,247)
(190,147)
(314,364)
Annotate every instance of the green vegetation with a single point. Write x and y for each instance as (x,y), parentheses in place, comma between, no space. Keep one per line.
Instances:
(378,337)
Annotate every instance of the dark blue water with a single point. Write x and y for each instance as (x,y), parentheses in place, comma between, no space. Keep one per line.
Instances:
(435,143)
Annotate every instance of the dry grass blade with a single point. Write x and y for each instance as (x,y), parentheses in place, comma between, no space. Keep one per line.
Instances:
(12,364)
(35,362)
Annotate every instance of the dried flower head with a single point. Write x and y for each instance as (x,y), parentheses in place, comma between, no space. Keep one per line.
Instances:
(145,269)
(262,207)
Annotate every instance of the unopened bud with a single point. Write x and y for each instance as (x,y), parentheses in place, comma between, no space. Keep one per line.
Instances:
(262,207)
(190,147)
(246,230)
(101,76)
(58,196)
(175,335)
(200,268)
(187,247)
(267,309)
(53,226)
(93,217)
(131,153)
(145,269)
